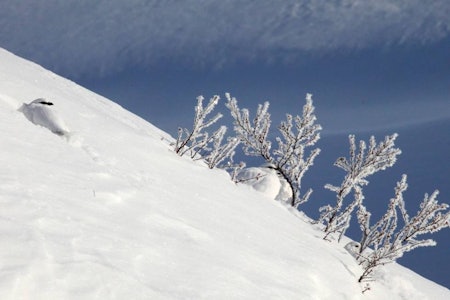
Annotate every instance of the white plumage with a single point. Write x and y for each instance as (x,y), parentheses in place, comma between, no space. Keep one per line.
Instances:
(41,112)
(266,180)
(353,249)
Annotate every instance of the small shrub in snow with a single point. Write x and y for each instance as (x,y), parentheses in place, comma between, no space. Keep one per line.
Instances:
(196,139)
(359,166)
(219,151)
(234,169)
(390,243)
(288,160)
(198,143)
(382,242)
(297,134)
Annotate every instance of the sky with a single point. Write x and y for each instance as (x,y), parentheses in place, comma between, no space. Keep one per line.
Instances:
(373,67)
(353,56)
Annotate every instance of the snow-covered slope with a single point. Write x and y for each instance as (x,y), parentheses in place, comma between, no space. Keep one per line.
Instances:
(108,211)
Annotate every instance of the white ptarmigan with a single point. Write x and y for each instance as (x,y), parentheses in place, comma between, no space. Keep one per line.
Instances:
(266,180)
(41,112)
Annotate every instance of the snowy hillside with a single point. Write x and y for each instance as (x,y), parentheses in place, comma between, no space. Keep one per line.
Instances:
(108,211)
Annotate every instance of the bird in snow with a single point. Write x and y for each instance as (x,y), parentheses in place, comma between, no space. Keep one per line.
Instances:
(41,112)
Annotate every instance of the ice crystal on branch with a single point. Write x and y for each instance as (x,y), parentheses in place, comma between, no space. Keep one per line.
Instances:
(358,166)
(385,227)
(390,243)
(297,133)
(219,151)
(198,143)
(196,139)
(252,134)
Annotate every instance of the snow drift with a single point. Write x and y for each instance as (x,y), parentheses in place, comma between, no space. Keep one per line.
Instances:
(113,213)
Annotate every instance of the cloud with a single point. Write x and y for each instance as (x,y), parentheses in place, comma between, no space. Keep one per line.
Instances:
(77,37)
(375,117)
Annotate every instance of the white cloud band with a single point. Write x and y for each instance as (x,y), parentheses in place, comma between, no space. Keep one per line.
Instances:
(76,36)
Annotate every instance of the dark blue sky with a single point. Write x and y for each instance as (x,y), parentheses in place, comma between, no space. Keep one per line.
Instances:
(374,67)
(353,91)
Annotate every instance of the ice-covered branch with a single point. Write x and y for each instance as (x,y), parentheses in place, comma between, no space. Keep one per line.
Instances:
(196,139)
(390,243)
(297,133)
(358,166)
(253,135)
(219,151)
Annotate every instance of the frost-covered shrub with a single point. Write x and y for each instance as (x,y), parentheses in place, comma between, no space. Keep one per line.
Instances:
(280,178)
(358,166)
(390,242)
(297,134)
(198,143)
(194,140)
(219,151)
(289,161)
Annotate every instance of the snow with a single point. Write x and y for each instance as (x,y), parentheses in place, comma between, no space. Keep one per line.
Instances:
(111,212)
